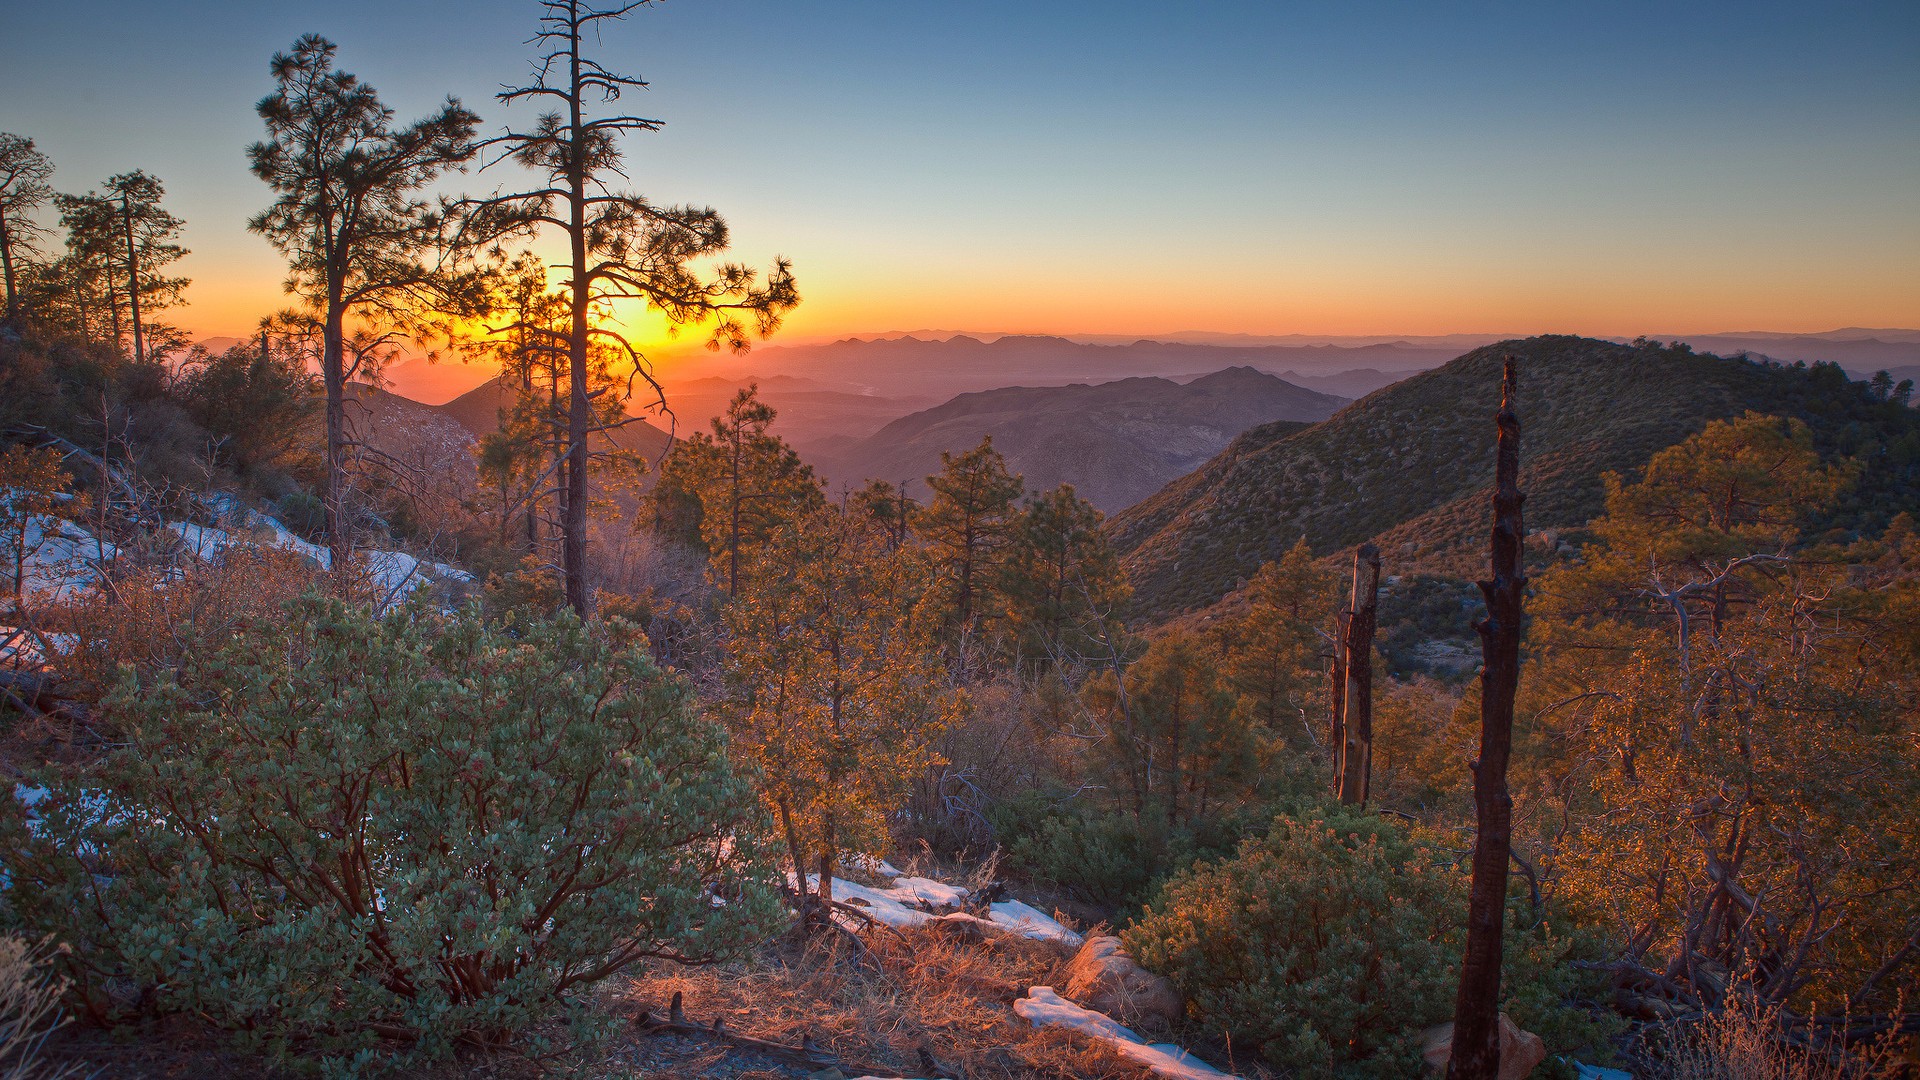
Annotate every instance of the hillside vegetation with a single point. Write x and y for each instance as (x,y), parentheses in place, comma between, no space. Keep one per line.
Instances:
(1115,442)
(1410,464)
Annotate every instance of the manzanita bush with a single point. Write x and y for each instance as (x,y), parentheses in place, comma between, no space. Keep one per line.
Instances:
(375,838)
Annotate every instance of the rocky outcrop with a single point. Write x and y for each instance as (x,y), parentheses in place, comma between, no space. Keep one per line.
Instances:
(1104,978)
(1520,1052)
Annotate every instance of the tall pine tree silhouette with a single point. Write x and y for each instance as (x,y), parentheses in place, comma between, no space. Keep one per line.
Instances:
(620,246)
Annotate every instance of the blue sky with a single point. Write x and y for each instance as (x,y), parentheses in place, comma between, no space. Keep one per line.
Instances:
(1116,167)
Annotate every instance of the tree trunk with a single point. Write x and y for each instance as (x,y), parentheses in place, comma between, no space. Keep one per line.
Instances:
(736,499)
(1337,694)
(113,302)
(1476,1025)
(573,541)
(794,847)
(6,266)
(133,281)
(334,502)
(1356,748)
(825,889)
(964,601)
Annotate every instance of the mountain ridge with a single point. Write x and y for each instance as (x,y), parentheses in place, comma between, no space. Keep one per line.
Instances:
(1115,441)
(1409,466)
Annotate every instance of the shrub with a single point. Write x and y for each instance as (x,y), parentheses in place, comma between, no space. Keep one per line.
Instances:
(1108,859)
(304,513)
(156,616)
(1332,941)
(1555,986)
(1328,943)
(1111,859)
(255,403)
(338,830)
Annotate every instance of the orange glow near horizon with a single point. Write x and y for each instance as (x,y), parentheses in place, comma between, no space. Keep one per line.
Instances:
(1592,303)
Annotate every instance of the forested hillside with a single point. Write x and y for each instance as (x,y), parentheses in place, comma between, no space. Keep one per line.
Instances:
(1408,466)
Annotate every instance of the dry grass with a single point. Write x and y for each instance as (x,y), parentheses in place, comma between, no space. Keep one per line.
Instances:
(1744,1043)
(917,988)
(920,988)
(29,1011)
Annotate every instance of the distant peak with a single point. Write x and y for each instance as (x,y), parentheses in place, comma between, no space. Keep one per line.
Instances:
(1237,374)
(1030,339)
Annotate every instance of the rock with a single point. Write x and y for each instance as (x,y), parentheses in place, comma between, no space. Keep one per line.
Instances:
(1520,1051)
(1102,977)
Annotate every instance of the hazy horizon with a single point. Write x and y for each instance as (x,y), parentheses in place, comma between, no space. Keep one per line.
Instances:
(437,381)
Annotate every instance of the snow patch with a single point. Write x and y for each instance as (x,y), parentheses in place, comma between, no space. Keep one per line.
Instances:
(28,648)
(228,510)
(872,865)
(937,894)
(207,543)
(392,574)
(62,559)
(1030,922)
(880,904)
(1044,1008)
(911,901)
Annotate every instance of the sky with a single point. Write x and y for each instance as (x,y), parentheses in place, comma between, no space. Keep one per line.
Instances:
(1120,167)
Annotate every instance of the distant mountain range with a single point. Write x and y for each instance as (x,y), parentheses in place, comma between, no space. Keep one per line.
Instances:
(810,412)
(1115,442)
(926,367)
(478,412)
(1410,466)
(424,441)
(1861,352)
(915,367)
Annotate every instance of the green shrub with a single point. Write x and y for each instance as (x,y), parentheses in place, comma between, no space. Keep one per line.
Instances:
(1329,944)
(304,513)
(1112,859)
(1108,859)
(1332,941)
(369,839)
(1569,1007)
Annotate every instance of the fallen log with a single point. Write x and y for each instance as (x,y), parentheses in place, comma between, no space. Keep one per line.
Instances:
(31,688)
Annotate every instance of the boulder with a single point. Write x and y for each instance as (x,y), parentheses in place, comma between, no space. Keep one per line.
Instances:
(1520,1051)
(1102,977)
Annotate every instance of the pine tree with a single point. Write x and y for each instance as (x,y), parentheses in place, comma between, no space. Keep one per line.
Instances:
(526,460)
(888,506)
(968,524)
(836,690)
(620,246)
(362,242)
(1062,582)
(147,235)
(24,173)
(728,490)
(1730,715)
(1273,649)
(91,276)
(1177,741)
